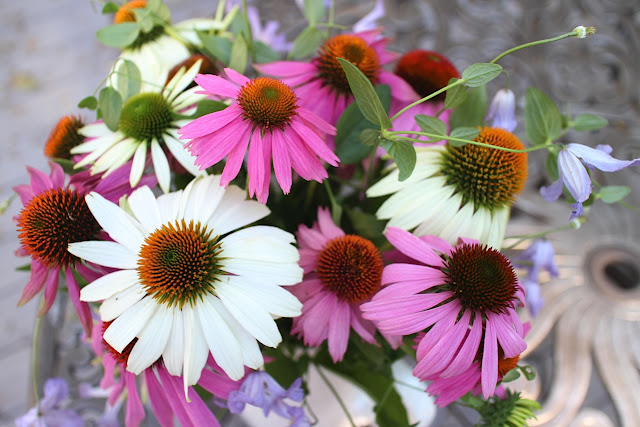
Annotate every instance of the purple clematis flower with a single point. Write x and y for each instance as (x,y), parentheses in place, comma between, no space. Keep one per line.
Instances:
(261,390)
(502,111)
(370,20)
(56,391)
(572,172)
(537,257)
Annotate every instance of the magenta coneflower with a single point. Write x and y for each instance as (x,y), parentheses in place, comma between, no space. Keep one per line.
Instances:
(321,83)
(266,118)
(464,297)
(340,272)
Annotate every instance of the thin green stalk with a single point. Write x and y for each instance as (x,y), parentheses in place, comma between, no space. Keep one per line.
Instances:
(34,360)
(521,238)
(573,33)
(336,395)
(369,171)
(466,141)
(428,97)
(332,13)
(245,15)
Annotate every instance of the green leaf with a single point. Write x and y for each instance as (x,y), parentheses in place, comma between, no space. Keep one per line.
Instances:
(119,35)
(455,96)
(463,132)
(26,267)
(472,111)
(129,79)
(239,54)
(365,95)
(512,375)
(68,166)
(110,107)
(306,43)
(369,136)
(403,154)
(207,106)
(366,224)
(313,10)
(110,7)
(216,46)
(159,12)
(349,146)
(264,54)
(542,119)
(551,165)
(433,125)
(528,372)
(614,193)
(479,74)
(587,122)
(144,19)
(89,102)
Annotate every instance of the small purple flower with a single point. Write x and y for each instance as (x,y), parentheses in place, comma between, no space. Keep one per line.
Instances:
(261,390)
(572,172)
(370,20)
(537,257)
(56,391)
(502,110)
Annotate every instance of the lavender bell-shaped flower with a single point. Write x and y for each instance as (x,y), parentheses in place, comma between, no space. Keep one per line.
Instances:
(537,257)
(573,174)
(502,110)
(50,414)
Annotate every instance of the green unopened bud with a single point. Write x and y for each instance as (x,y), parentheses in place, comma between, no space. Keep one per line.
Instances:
(582,32)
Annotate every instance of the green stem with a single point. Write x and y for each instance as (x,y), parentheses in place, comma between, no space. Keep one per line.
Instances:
(245,15)
(332,13)
(523,237)
(336,395)
(466,141)
(573,33)
(34,360)
(428,97)
(369,172)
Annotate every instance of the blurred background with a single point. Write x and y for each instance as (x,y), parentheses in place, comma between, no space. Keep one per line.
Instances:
(585,343)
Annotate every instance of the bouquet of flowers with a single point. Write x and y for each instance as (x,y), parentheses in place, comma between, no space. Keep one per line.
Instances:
(207,284)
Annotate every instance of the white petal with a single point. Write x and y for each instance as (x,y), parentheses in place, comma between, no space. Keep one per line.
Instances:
(260,249)
(120,225)
(117,304)
(108,254)
(458,224)
(176,147)
(108,285)
(195,348)
(265,231)
(126,327)
(173,354)
(235,211)
(188,98)
(182,80)
(115,156)
(499,220)
(435,224)
(202,199)
(250,314)
(168,206)
(144,206)
(96,148)
(426,165)
(161,166)
(267,272)
(224,347)
(138,163)
(251,354)
(95,130)
(151,341)
(276,300)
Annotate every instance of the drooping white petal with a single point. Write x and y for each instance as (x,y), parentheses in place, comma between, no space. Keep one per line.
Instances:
(249,313)
(108,285)
(115,156)
(108,254)
(95,130)
(195,348)
(151,341)
(180,81)
(173,354)
(224,347)
(161,166)
(117,304)
(138,163)
(458,224)
(126,327)
(144,206)
(116,222)
(499,220)
(425,167)
(176,147)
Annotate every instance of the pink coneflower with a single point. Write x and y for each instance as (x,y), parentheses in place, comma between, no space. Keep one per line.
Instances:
(266,118)
(321,83)
(464,297)
(55,214)
(340,272)
(164,390)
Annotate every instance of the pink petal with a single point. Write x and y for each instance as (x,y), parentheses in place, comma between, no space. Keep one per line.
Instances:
(209,123)
(416,322)
(468,352)
(57,175)
(394,273)
(512,344)
(50,290)
(82,308)
(390,307)
(159,403)
(316,120)
(108,365)
(235,159)
(412,246)
(400,89)
(281,162)
(327,227)
(236,77)
(315,312)
(489,361)
(215,85)
(116,390)
(213,148)
(339,328)
(286,68)
(365,328)
(135,410)
(40,182)
(256,164)
(313,141)
(217,384)
(36,282)
(25,192)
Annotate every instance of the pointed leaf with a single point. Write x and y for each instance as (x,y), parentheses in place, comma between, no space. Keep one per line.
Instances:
(313,10)
(455,96)
(614,193)
(264,53)
(472,110)
(403,154)
(110,7)
(587,122)
(239,54)
(306,43)
(119,35)
(216,46)
(463,132)
(110,107)
(479,74)
(542,119)
(365,95)
(129,79)
(89,102)
(433,125)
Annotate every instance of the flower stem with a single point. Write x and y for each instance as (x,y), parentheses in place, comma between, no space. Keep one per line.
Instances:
(521,238)
(336,395)
(369,172)
(34,360)
(245,15)
(573,33)
(428,97)
(466,141)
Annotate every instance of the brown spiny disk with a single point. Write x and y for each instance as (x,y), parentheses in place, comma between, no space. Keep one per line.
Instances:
(63,137)
(268,103)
